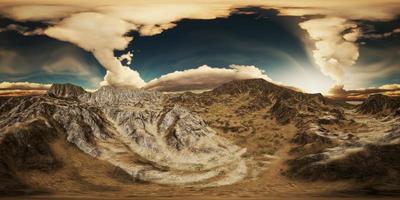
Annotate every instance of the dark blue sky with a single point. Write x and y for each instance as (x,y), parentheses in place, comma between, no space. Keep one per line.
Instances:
(23,58)
(385,51)
(263,41)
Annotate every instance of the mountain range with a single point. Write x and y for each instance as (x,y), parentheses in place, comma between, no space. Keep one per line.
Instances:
(246,135)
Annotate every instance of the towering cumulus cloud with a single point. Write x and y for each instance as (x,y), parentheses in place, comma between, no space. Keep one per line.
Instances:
(101,27)
(334,52)
(92,32)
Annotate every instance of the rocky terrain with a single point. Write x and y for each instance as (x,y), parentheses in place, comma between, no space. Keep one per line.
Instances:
(324,139)
(251,137)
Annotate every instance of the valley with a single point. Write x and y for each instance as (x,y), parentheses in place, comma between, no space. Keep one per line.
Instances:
(243,139)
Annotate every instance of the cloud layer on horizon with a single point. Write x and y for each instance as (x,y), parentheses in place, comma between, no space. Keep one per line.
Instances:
(204,78)
(360,94)
(177,81)
(86,24)
(22,88)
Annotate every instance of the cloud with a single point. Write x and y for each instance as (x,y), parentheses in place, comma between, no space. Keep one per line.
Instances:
(25,88)
(334,52)
(350,9)
(39,12)
(69,65)
(101,26)
(339,92)
(382,35)
(22,30)
(386,66)
(93,32)
(127,57)
(149,30)
(22,88)
(6,59)
(88,26)
(201,78)
(204,77)
(61,62)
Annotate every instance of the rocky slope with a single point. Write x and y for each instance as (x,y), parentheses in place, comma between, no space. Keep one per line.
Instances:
(65,91)
(130,129)
(329,140)
(284,104)
(243,134)
(381,105)
(361,147)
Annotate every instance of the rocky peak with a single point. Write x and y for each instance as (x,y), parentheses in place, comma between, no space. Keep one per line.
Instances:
(260,88)
(379,103)
(109,95)
(243,86)
(66,90)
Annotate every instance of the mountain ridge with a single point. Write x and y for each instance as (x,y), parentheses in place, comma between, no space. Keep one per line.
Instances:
(234,135)
(380,104)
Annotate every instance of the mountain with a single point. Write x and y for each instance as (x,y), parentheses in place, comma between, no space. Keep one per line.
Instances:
(284,104)
(247,135)
(380,104)
(326,139)
(130,129)
(65,91)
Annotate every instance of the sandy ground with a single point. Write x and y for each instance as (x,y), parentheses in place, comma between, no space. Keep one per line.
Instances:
(61,197)
(83,177)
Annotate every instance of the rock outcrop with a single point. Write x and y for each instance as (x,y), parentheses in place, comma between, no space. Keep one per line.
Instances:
(65,91)
(380,104)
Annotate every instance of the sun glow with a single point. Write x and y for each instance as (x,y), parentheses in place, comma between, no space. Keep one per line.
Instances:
(315,87)
(309,82)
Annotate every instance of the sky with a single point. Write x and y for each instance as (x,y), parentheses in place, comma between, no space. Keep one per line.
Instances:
(346,49)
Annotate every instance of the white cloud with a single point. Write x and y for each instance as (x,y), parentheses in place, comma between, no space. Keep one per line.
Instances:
(149,30)
(39,12)
(334,52)
(128,57)
(338,91)
(23,86)
(382,35)
(101,35)
(204,77)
